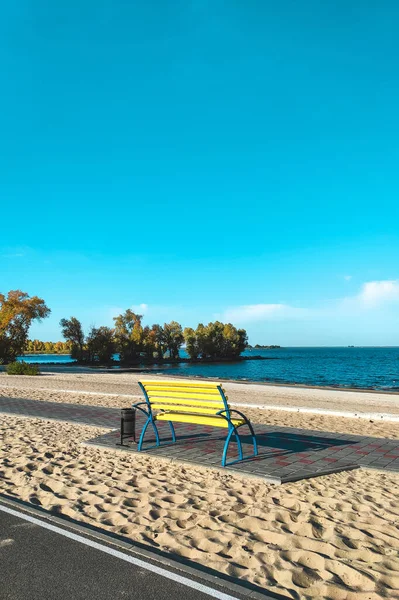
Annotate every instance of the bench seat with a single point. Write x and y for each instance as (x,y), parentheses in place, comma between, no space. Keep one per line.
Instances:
(199,419)
(186,402)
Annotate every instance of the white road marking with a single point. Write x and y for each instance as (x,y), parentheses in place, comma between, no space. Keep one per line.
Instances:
(130,559)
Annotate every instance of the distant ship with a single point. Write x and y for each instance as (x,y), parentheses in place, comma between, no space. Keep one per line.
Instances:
(351,346)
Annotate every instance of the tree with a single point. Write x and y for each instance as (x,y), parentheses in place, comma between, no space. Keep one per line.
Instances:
(72,331)
(49,347)
(215,340)
(17,311)
(173,336)
(38,346)
(159,337)
(192,347)
(129,335)
(235,341)
(59,347)
(100,344)
(28,346)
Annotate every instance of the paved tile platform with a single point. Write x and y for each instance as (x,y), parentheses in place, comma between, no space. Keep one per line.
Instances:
(285,454)
(97,416)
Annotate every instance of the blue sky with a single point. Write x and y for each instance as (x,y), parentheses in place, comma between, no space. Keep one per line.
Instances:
(201,160)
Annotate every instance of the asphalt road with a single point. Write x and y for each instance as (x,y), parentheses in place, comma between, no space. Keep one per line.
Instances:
(40,564)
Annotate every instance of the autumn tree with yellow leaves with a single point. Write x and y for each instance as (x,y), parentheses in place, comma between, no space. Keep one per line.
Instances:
(17,312)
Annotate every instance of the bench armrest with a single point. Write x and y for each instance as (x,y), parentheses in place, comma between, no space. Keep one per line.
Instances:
(237,412)
(220,413)
(232,410)
(137,407)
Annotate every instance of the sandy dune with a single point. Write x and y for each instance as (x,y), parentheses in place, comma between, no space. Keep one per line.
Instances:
(334,537)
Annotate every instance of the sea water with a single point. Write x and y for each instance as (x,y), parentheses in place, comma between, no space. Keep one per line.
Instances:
(372,368)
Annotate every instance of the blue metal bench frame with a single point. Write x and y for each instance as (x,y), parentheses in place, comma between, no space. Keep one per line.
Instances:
(224,413)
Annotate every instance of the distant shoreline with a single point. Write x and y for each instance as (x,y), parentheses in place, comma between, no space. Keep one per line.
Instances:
(41,352)
(146,362)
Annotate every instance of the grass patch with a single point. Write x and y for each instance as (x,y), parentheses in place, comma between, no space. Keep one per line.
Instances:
(22,368)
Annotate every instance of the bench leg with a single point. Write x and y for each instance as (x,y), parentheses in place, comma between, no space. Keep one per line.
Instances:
(251,429)
(237,437)
(172,429)
(149,420)
(227,442)
(234,430)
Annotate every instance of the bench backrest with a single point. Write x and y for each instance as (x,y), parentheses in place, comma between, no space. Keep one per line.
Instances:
(199,398)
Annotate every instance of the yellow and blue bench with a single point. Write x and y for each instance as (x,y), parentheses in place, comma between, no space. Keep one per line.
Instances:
(196,403)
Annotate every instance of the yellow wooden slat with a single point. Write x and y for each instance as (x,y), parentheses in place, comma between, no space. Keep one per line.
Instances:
(187,390)
(197,419)
(192,409)
(185,402)
(179,383)
(187,395)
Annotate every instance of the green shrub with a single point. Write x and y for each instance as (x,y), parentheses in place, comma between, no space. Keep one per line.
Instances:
(22,368)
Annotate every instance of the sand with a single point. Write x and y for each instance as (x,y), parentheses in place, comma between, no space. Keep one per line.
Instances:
(92,389)
(333,537)
(126,383)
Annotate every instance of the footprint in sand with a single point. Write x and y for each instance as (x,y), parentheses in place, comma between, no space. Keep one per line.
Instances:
(228,517)
(141,520)
(309,560)
(209,523)
(305,577)
(351,577)
(33,498)
(174,499)
(49,470)
(113,519)
(167,541)
(53,486)
(206,545)
(183,515)
(131,503)
(91,511)
(156,513)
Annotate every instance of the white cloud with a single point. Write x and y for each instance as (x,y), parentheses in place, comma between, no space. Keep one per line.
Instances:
(376,293)
(140,309)
(263,312)
(372,296)
(347,277)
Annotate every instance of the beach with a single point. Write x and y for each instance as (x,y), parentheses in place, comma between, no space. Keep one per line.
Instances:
(85,386)
(333,537)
